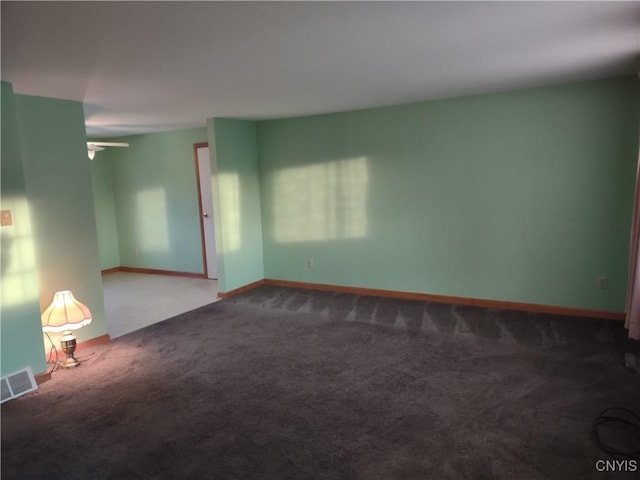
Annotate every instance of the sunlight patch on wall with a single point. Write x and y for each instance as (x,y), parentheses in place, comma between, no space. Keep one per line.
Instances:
(18,263)
(229,190)
(151,217)
(321,202)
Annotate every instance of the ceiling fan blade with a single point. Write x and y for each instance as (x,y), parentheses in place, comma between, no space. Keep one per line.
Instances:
(95,148)
(108,144)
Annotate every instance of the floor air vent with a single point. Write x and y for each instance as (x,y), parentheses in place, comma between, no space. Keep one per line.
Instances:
(18,383)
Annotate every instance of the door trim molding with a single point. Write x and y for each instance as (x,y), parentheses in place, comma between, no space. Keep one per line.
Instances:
(196,146)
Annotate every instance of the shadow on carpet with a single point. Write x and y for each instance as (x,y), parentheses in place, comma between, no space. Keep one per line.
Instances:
(292,384)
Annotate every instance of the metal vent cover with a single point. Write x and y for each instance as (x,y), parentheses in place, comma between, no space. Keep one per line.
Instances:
(17,384)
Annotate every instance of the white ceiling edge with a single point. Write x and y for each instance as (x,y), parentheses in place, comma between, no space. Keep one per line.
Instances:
(159,66)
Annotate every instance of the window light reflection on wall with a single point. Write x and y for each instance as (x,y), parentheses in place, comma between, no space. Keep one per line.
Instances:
(324,201)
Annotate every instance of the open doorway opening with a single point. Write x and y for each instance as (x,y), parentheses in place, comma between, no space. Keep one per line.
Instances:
(136,300)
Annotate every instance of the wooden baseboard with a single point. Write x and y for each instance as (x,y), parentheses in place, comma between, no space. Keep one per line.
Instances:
(476,302)
(111,270)
(153,271)
(422,297)
(42,377)
(244,288)
(92,342)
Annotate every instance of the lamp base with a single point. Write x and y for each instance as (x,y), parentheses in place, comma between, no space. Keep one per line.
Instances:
(70,362)
(68,342)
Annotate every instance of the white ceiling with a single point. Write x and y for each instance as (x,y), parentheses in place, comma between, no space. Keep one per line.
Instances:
(153,66)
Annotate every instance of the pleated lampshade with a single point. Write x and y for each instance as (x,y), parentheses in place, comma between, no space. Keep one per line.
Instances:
(65,313)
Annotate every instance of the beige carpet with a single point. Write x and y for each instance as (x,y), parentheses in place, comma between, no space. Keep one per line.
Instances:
(134,300)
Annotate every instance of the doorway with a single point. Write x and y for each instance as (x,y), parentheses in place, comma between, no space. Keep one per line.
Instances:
(205,204)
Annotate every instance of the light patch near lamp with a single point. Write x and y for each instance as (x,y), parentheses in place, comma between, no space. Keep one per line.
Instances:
(19,276)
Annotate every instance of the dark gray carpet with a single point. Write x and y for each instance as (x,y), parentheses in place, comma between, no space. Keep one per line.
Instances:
(292,384)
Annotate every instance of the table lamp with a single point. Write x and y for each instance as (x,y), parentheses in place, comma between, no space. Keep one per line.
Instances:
(63,315)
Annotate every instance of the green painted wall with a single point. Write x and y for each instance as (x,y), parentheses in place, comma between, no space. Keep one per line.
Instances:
(58,186)
(20,330)
(104,202)
(156,202)
(236,194)
(523,196)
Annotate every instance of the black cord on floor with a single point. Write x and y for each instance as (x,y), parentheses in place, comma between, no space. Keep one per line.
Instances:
(55,364)
(623,425)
